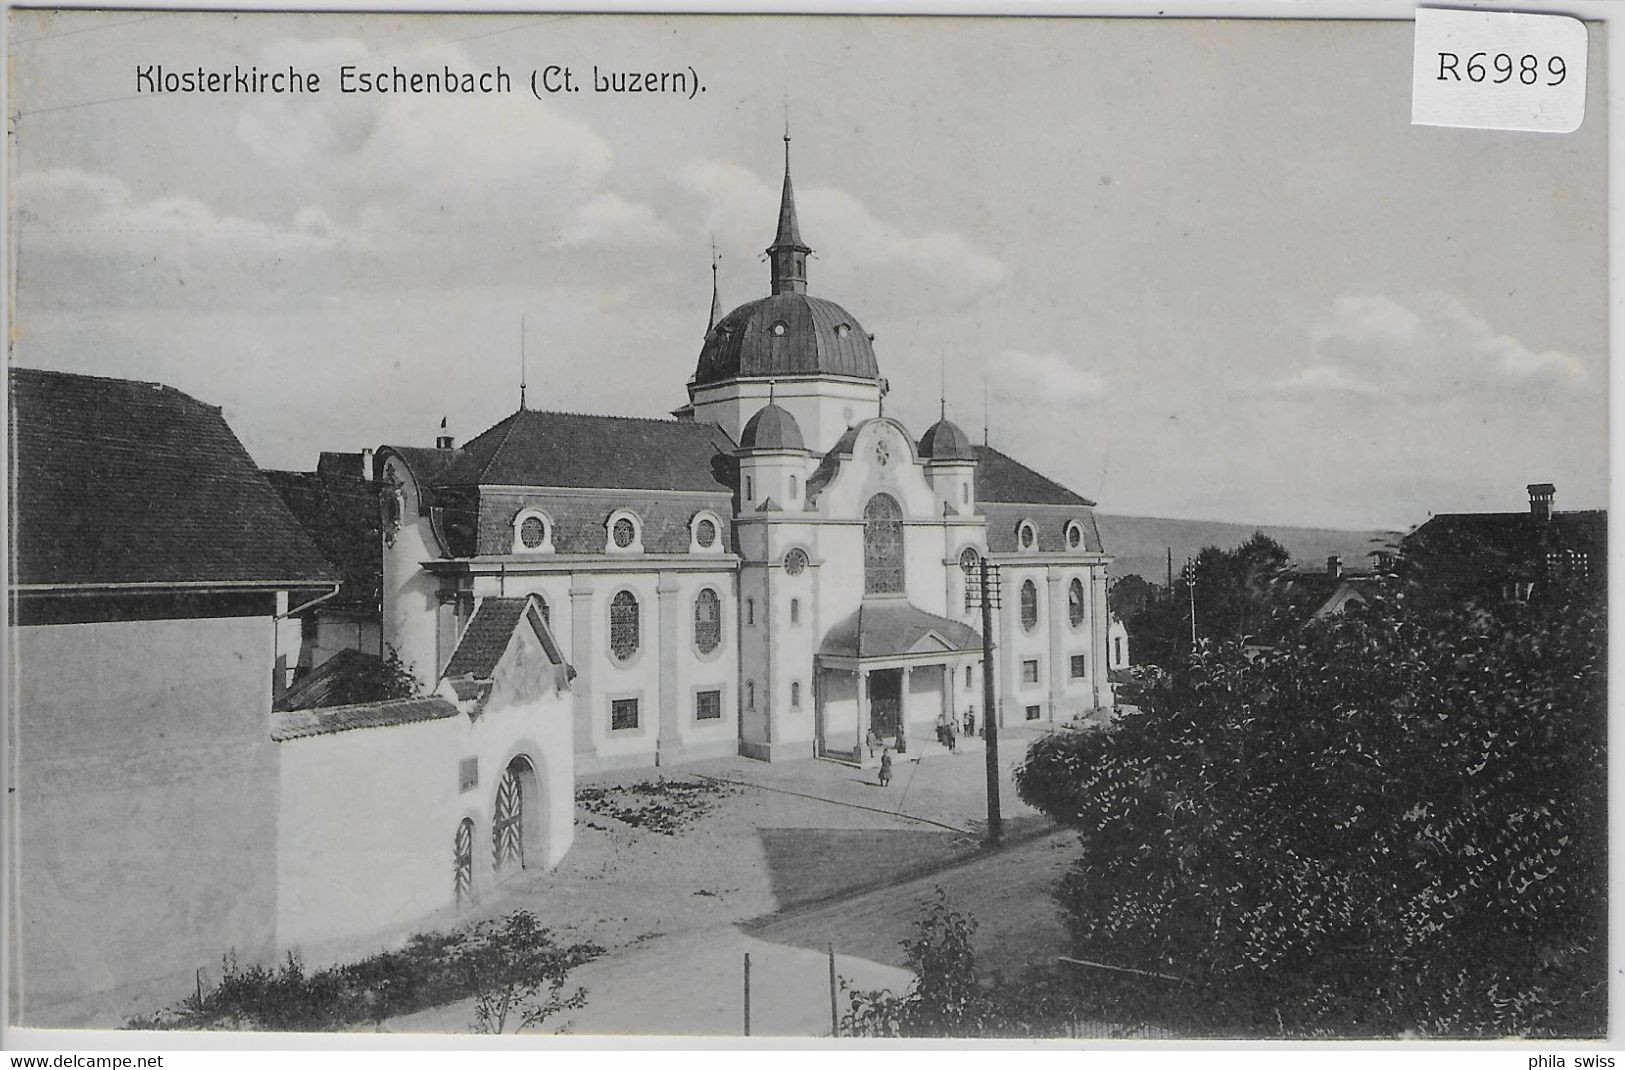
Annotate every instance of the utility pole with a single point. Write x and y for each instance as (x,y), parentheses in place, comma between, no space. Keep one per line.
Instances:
(1190,583)
(989,595)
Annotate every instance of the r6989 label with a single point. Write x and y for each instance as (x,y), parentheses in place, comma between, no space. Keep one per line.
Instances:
(1502,67)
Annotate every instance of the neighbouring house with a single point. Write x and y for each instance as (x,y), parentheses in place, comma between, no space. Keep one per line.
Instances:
(775,572)
(337,505)
(151,564)
(166,811)
(1512,555)
(1314,594)
(1117,643)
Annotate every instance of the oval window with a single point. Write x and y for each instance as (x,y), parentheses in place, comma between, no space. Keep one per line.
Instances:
(532,532)
(705,533)
(623,532)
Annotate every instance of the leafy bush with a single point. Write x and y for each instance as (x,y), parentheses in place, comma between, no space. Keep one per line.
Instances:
(1394,821)
(503,963)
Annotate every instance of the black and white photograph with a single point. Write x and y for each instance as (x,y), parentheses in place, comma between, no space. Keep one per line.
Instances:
(817,528)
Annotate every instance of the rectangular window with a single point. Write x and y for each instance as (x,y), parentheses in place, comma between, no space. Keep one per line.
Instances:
(1117,645)
(708,706)
(1080,666)
(623,714)
(1029,671)
(468,774)
(1033,712)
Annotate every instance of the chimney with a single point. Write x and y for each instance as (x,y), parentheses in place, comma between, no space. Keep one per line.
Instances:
(366,463)
(444,441)
(1540,500)
(1334,566)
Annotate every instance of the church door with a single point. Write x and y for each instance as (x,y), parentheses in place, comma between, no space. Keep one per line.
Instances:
(507,827)
(886,701)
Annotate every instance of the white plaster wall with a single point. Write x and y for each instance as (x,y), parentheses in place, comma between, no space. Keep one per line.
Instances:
(693,671)
(637,677)
(410,595)
(823,408)
(367,824)
(1022,645)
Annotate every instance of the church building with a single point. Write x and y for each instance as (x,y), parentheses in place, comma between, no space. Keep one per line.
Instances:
(775,572)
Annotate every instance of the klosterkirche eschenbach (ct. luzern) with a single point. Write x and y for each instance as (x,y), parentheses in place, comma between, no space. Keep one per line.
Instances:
(776,572)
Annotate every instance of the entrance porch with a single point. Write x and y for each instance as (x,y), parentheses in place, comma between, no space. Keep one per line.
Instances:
(889,676)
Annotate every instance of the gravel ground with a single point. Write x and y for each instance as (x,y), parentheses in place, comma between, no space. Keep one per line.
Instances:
(781,861)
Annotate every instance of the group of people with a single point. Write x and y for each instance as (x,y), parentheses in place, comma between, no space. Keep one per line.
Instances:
(947,734)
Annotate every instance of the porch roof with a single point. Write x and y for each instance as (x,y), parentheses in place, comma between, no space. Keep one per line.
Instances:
(891,627)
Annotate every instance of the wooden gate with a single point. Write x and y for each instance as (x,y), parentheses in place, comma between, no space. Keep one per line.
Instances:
(463,861)
(507,828)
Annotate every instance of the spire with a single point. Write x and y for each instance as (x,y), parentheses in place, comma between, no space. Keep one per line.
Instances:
(716,300)
(788,254)
(521,362)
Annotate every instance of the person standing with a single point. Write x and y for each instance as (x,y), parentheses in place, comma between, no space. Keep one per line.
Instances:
(885,766)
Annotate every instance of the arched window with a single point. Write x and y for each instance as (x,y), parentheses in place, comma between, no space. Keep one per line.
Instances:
(882,545)
(793,488)
(750,694)
(707,621)
(795,694)
(1029,605)
(749,495)
(970,564)
(1074,602)
(462,854)
(750,611)
(623,625)
(968,683)
(795,611)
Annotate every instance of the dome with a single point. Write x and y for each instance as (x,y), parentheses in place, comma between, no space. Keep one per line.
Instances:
(946,442)
(772,428)
(783,335)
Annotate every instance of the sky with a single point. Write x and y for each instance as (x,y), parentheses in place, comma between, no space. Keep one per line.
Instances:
(1197,269)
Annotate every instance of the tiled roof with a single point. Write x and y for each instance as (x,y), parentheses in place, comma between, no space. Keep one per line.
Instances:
(486,637)
(341,680)
(340,514)
(122,482)
(1001,478)
(885,627)
(300,724)
(560,449)
(488,632)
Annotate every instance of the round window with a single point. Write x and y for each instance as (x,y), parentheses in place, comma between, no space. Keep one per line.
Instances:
(842,331)
(705,533)
(1026,536)
(795,562)
(532,532)
(968,560)
(623,533)
(779,329)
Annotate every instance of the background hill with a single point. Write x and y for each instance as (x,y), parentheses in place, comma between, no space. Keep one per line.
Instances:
(1140,543)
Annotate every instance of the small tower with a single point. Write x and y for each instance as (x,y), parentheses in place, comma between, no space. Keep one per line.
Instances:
(772,462)
(950,467)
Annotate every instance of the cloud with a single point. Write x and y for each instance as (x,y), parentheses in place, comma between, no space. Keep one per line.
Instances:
(612,220)
(1435,349)
(1046,379)
(938,267)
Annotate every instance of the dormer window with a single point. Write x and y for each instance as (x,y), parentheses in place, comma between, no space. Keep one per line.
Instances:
(625,532)
(842,330)
(705,533)
(1026,535)
(1074,535)
(532,532)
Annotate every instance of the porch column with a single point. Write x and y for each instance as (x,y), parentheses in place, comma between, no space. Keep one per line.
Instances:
(1060,629)
(863,709)
(668,712)
(904,685)
(581,652)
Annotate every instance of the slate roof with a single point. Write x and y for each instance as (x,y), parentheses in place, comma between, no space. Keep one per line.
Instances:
(1002,478)
(1494,546)
(885,627)
(121,482)
(340,513)
(744,343)
(300,724)
(561,449)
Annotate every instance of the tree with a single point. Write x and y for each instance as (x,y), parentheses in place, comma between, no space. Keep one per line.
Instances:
(1393,821)
(510,964)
